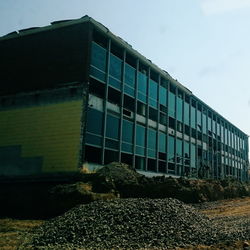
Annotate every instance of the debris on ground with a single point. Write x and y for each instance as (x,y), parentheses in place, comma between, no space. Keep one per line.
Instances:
(132,224)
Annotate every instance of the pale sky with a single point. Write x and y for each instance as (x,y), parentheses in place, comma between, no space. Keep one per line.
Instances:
(205,44)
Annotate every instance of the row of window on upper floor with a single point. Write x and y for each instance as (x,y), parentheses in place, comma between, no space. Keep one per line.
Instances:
(179,106)
(171,148)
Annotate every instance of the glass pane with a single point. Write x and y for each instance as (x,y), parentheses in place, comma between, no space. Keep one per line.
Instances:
(193,123)
(115,67)
(94,121)
(98,57)
(163,96)
(152,139)
(209,125)
(179,109)
(171,104)
(186,150)
(162,142)
(127,147)
(171,146)
(179,150)
(153,89)
(142,83)
(204,123)
(140,135)
(112,127)
(186,113)
(193,155)
(127,131)
(129,75)
(93,139)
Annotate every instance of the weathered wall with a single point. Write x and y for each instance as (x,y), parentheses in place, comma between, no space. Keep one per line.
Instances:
(42,134)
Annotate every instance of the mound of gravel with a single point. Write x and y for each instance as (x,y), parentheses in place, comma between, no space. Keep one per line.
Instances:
(128,223)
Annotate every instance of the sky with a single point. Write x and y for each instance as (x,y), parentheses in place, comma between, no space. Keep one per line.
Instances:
(204,44)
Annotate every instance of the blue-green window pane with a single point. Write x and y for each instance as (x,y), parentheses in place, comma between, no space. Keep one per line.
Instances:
(225,136)
(98,57)
(153,103)
(94,121)
(97,73)
(171,104)
(152,139)
(209,125)
(179,147)
(153,89)
(93,139)
(128,90)
(222,133)
(186,113)
(199,118)
(140,135)
(179,113)
(193,156)
(112,127)
(140,150)
(142,83)
(115,83)
(204,123)
(115,67)
(127,147)
(186,150)
(129,75)
(127,131)
(142,97)
(163,96)
(193,123)
(214,126)
(162,142)
(171,149)
(151,153)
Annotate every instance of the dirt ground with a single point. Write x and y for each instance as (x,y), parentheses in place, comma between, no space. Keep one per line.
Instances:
(230,212)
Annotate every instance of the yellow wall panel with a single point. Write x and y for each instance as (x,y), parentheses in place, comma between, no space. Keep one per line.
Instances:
(50,131)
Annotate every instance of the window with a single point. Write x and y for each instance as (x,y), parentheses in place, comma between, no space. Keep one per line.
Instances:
(163,96)
(112,127)
(127,131)
(115,71)
(140,139)
(193,120)
(94,121)
(171,104)
(204,123)
(129,75)
(171,122)
(179,113)
(153,90)
(186,153)
(129,87)
(153,114)
(179,151)
(141,108)
(193,156)
(152,143)
(171,149)
(186,113)
(98,62)
(98,58)
(142,87)
(162,142)
(127,136)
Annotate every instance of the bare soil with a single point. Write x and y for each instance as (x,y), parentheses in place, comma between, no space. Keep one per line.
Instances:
(230,212)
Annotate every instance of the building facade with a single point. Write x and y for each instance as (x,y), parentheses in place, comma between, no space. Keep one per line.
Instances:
(73,92)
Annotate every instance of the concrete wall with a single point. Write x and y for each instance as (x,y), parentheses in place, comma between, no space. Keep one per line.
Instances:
(42,134)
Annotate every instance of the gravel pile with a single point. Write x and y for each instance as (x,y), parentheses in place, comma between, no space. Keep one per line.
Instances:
(128,224)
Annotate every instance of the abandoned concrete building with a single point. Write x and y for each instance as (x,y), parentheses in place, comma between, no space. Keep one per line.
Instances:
(73,92)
